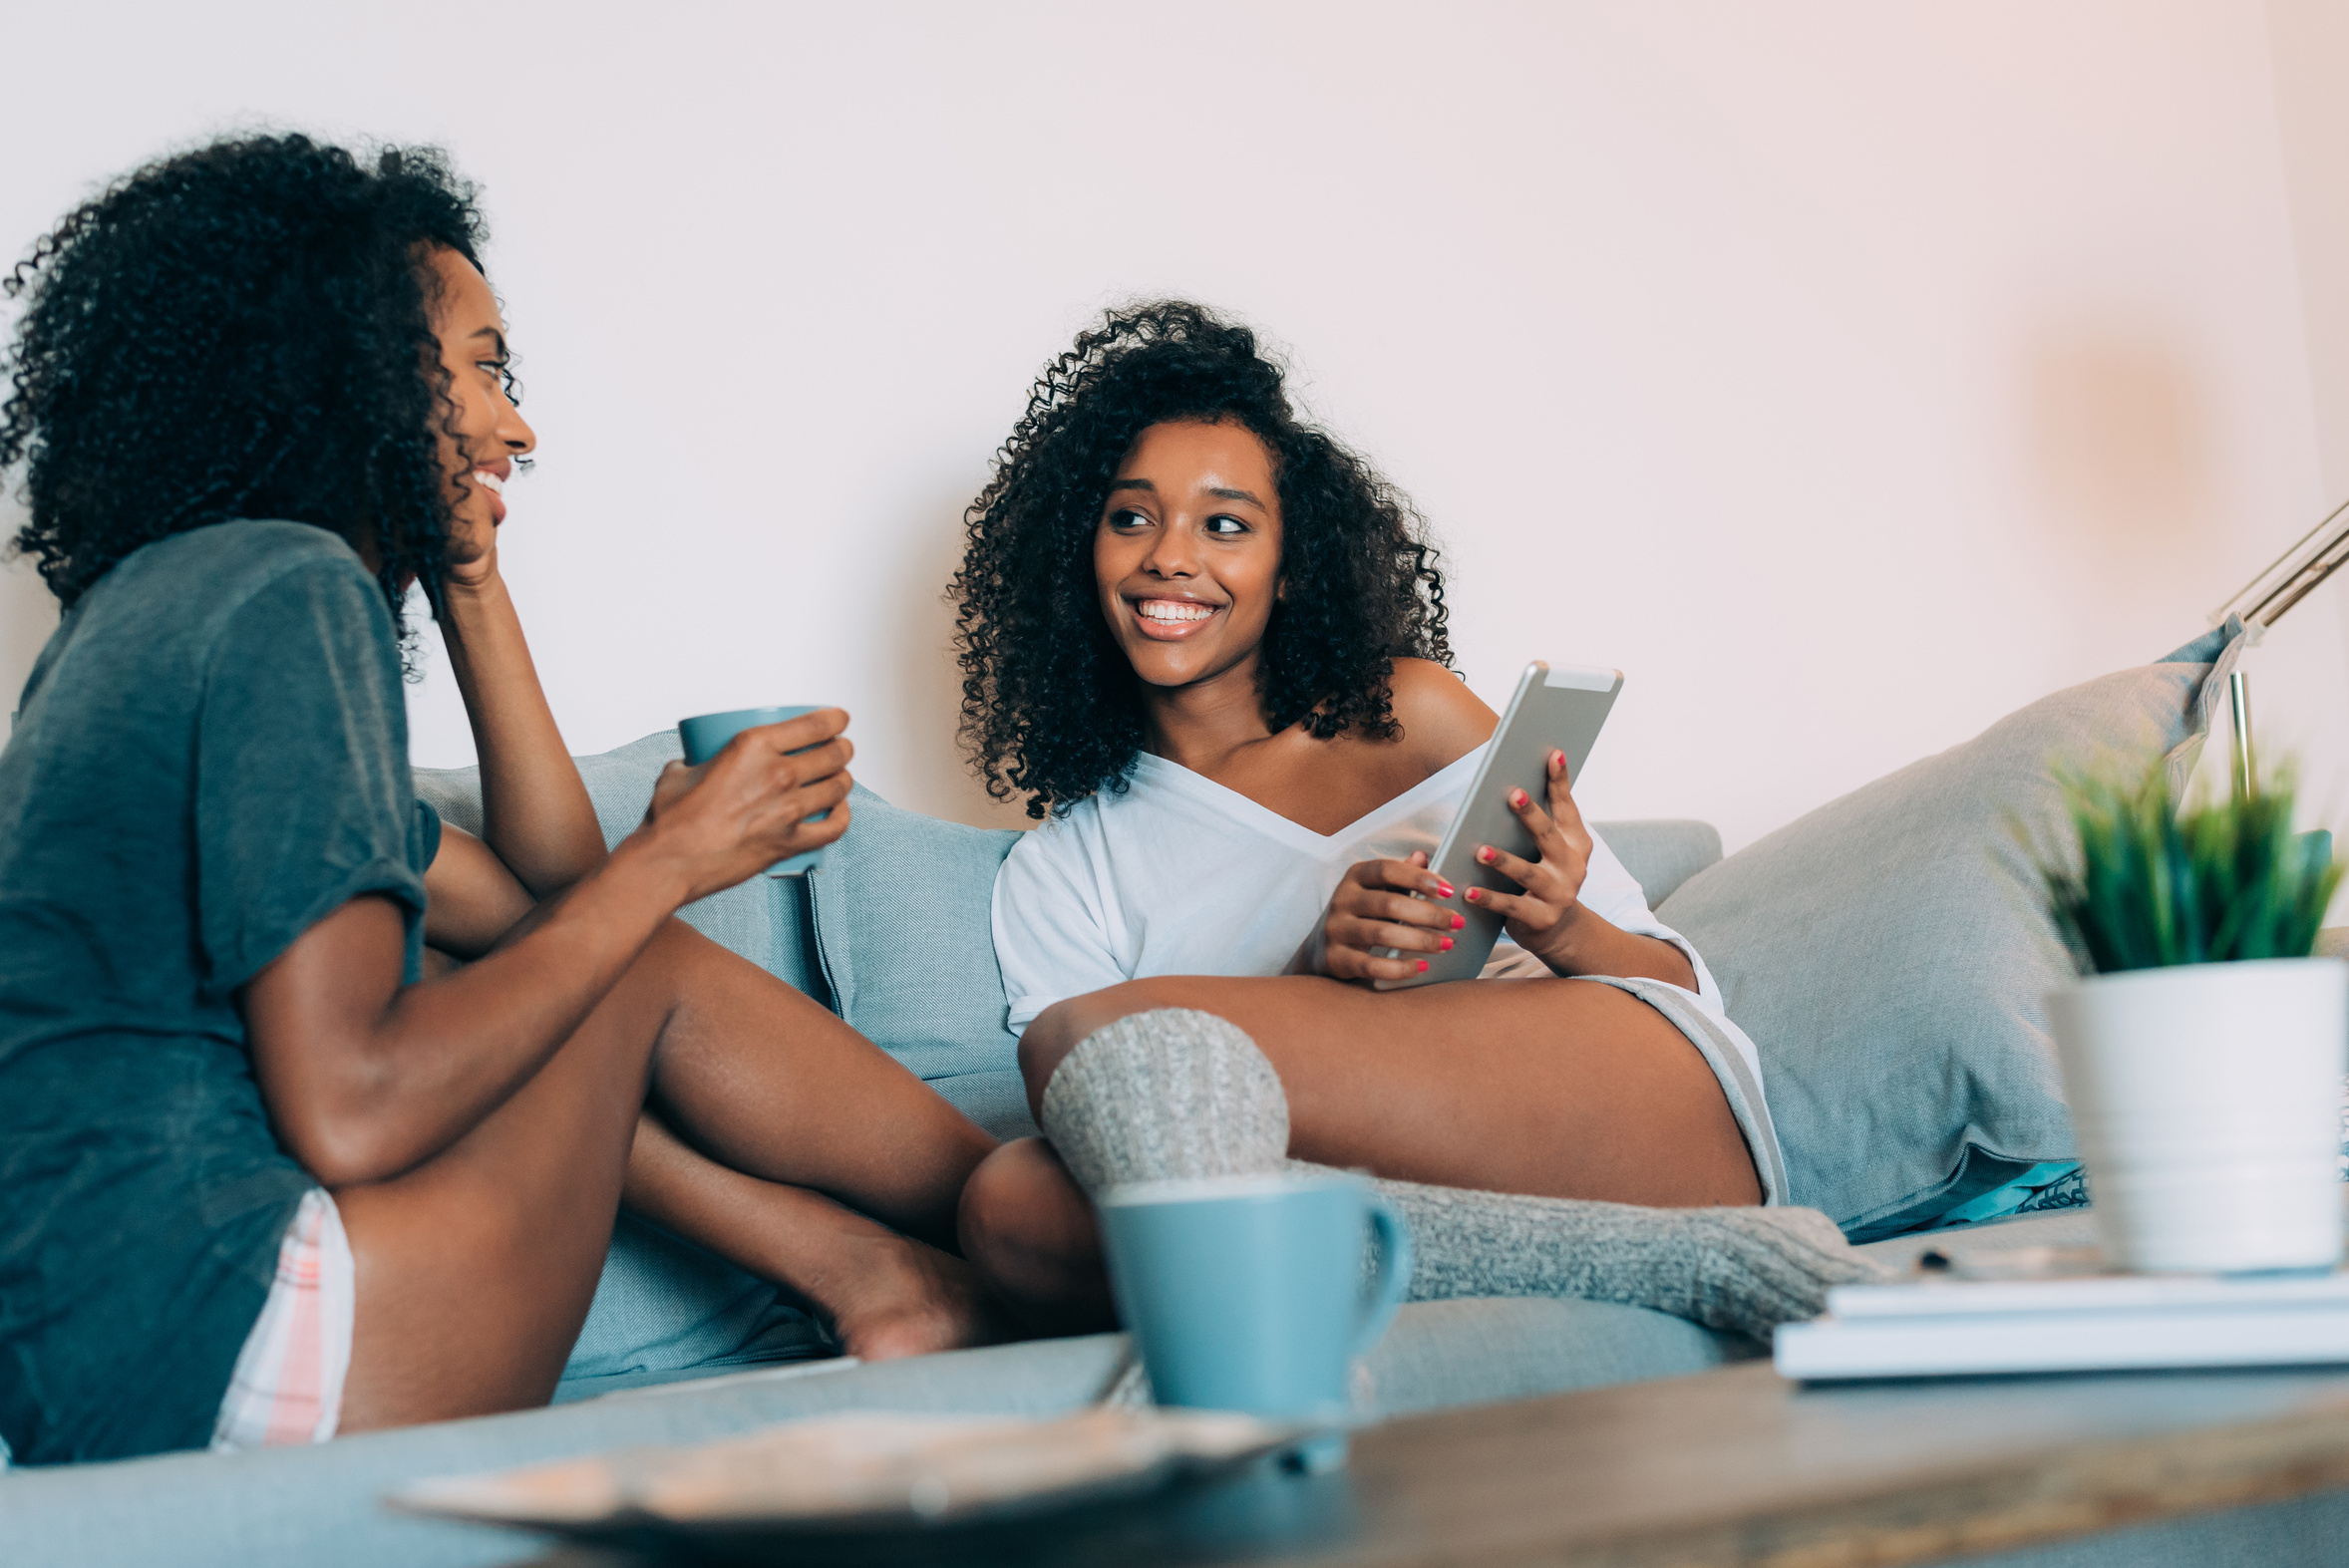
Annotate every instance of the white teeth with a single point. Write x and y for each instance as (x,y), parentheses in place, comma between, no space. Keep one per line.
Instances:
(1172,610)
(490,481)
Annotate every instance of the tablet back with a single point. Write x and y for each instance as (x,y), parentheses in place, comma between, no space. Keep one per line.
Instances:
(1553,709)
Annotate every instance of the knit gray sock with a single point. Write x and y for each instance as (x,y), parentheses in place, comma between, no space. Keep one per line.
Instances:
(1177,1092)
(1743,1270)
(1162,1095)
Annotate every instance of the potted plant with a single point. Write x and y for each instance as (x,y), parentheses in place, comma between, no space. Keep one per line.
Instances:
(2202,1047)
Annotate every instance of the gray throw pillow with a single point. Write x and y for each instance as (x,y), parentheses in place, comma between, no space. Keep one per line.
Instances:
(1888,955)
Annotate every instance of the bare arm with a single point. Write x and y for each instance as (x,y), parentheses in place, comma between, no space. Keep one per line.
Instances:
(473,898)
(365,1077)
(535,813)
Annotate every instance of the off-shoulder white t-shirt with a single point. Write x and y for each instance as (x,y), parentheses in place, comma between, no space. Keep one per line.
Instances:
(1180,875)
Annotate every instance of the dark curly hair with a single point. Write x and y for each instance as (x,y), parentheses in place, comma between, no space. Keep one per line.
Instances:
(238,330)
(1050,707)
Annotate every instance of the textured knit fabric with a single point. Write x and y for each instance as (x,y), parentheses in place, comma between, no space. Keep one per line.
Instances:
(1165,1095)
(288,1385)
(1181,1094)
(209,756)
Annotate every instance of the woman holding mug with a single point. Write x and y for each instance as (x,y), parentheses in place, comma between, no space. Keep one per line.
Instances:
(314,1113)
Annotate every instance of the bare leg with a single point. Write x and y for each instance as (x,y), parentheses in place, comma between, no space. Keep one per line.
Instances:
(1548,1087)
(763,1079)
(886,1295)
(1551,1088)
(475,1270)
(1030,1229)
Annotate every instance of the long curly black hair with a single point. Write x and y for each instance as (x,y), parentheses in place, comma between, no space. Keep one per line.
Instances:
(1050,707)
(238,330)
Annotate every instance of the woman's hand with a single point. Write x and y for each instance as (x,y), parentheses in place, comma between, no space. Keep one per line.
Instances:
(472,552)
(1372,907)
(1548,919)
(748,806)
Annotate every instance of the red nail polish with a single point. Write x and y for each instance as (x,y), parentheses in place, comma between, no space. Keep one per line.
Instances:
(1456,922)
(1474,895)
(1423,966)
(1444,889)
(1447,948)
(1516,798)
(1485,856)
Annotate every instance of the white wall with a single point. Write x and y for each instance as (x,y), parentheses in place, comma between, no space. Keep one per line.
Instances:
(1848,373)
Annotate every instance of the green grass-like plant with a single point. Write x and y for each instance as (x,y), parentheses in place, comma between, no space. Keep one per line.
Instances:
(2145,883)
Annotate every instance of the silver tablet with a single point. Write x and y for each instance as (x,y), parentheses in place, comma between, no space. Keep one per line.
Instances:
(1552,709)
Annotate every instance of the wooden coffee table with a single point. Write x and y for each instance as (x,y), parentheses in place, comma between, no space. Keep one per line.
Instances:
(1731,1466)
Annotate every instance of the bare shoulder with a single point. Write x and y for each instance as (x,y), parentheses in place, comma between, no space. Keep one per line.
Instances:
(1443,721)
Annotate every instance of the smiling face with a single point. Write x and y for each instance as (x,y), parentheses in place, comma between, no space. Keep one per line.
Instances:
(479,443)
(1186,556)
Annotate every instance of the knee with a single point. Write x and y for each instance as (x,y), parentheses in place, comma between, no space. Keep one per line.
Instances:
(1016,1206)
(1044,1045)
(1062,1028)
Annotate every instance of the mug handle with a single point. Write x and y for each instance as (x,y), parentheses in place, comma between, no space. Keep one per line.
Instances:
(1386,1292)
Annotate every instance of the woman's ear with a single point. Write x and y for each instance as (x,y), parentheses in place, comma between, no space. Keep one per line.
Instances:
(1280,590)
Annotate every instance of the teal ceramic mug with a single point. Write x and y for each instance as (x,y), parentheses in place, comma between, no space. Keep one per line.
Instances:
(1248,1293)
(705,735)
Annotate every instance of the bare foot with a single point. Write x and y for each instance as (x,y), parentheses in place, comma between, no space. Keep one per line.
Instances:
(901,1297)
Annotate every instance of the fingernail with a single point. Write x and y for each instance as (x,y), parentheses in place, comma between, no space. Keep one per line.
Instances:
(1458,921)
(1557,759)
(1423,966)
(1516,798)
(1484,855)
(1447,948)
(1474,895)
(1443,889)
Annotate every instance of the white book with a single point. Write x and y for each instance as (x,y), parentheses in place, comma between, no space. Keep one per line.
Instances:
(2071,1323)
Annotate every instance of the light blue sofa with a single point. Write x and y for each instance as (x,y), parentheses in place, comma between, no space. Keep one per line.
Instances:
(680,1345)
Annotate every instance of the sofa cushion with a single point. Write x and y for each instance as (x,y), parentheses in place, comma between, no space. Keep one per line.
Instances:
(902,931)
(664,1306)
(1889,954)
(1662,852)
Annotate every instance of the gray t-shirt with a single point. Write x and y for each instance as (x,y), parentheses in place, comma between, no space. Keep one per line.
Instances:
(210,755)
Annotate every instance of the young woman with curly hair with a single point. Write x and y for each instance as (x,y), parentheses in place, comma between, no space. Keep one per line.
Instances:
(1207,643)
(270,1167)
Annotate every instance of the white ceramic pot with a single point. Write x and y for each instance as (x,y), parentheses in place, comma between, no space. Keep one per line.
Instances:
(2207,1102)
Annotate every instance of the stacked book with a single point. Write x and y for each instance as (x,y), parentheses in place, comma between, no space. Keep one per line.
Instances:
(2070,1319)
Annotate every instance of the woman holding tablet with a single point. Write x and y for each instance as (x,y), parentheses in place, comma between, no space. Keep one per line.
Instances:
(1207,643)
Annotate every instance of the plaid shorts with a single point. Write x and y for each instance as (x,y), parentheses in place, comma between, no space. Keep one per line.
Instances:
(288,1383)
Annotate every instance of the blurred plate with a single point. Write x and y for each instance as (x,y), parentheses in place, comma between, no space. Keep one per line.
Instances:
(862,1475)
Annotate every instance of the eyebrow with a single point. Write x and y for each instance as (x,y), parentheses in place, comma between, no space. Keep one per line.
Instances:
(494,334)
(1250,496)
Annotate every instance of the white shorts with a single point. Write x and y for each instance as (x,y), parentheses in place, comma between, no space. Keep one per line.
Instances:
(289,1384)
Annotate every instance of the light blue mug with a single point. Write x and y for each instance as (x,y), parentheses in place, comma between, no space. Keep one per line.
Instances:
(705,735)
(1248,1293)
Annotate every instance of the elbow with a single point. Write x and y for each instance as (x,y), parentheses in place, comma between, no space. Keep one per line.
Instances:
(341,1157)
